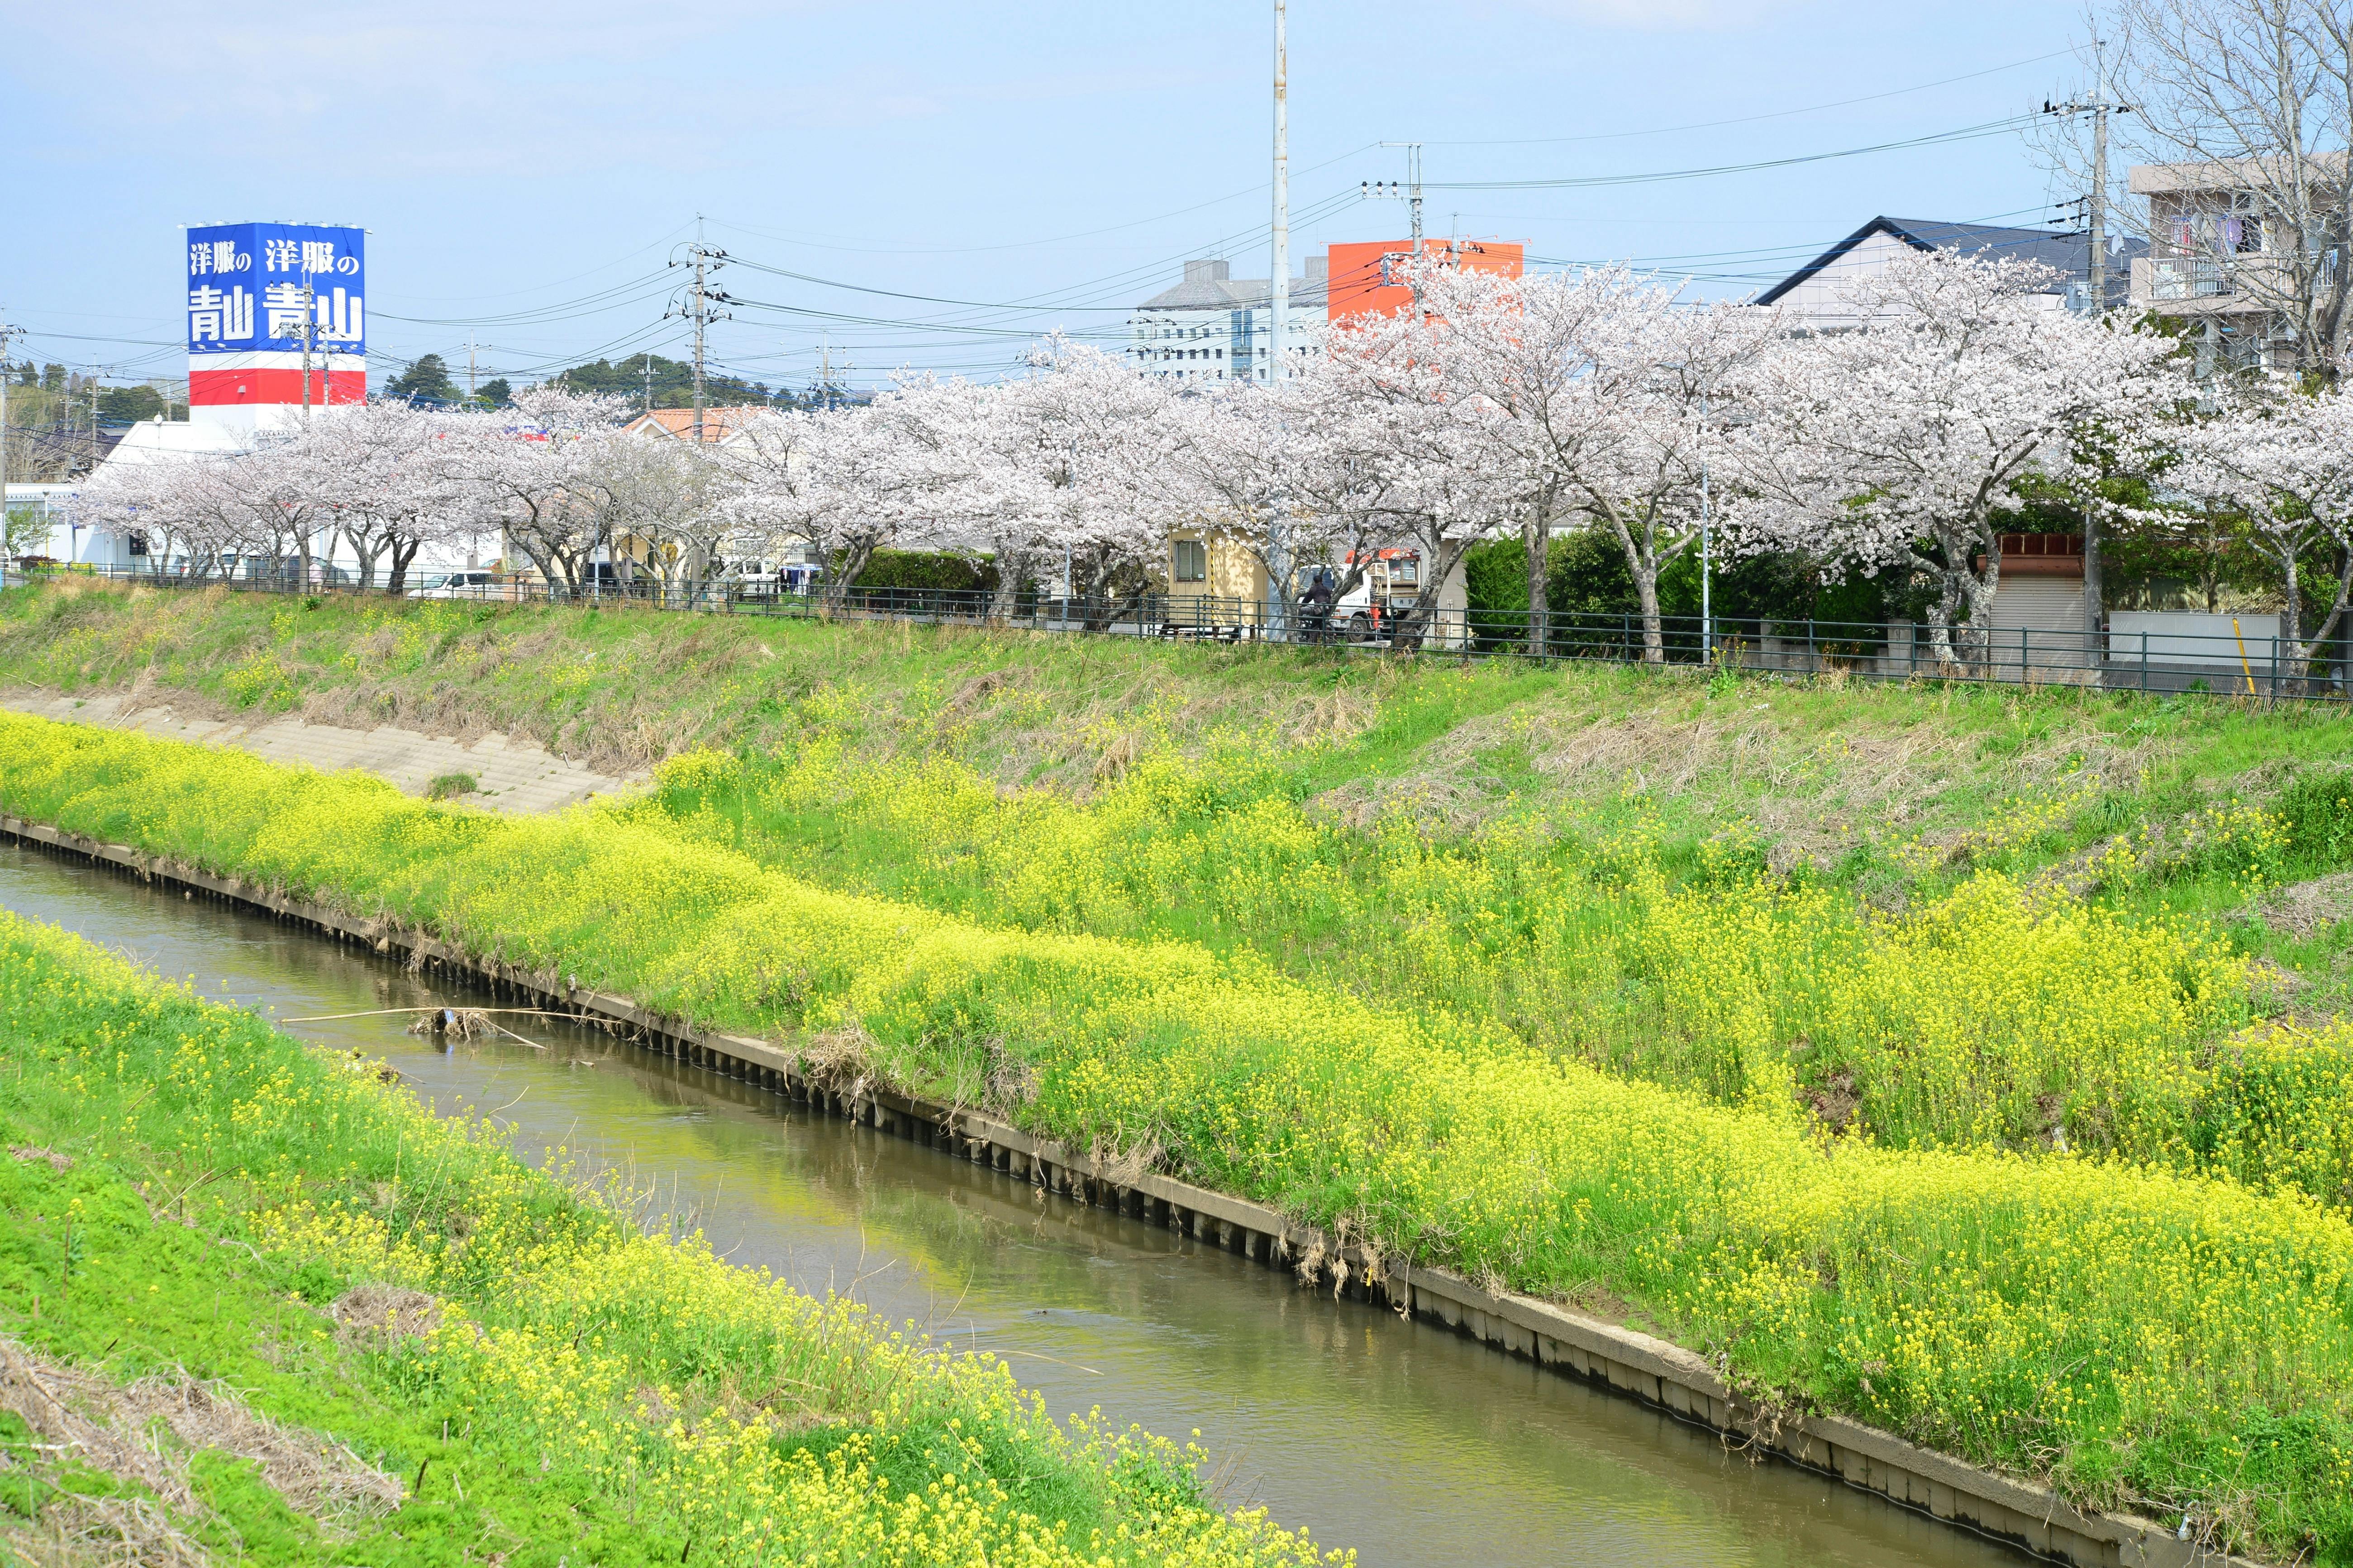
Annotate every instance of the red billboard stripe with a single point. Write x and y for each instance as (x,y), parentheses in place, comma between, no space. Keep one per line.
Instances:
(209,388)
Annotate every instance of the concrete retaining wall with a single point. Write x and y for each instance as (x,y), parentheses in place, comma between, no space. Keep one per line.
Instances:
(1667,1376)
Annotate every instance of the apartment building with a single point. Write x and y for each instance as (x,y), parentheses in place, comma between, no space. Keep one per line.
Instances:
(1214,327)
(2226,255)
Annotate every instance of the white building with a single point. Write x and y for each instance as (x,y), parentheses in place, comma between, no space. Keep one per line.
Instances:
(1213,327)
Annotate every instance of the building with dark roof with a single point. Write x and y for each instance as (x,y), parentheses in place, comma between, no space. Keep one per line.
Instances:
(1814,291)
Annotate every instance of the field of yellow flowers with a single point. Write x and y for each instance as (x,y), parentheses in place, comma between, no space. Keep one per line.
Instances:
(1991,1010)
(196,1198)
(2136,1322)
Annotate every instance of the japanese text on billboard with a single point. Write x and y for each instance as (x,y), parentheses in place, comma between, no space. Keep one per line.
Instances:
(267,286)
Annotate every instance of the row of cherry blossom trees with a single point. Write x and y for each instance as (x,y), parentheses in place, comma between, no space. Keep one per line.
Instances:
(1495,408)
(554,480)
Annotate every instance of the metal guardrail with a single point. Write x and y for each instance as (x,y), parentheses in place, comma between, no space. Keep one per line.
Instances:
(2150,659)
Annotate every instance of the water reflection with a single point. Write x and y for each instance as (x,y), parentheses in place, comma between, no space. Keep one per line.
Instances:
(1409,1443)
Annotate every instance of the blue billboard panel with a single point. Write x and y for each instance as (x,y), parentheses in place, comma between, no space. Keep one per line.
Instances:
(254,286)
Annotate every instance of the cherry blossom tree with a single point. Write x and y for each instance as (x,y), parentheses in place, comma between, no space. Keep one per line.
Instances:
(1899,444)
(1078,440)
(667,493)
(1518,347)
(188,509)
(215,505)
(281,482)
(845,482)
(1234,458)
(540,469)
(957,478)
(379,472)
(2282,457)
(1601,387)
(1403,450)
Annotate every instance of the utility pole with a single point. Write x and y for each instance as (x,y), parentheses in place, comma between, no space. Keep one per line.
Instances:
(470,367)
(1277,299)
(1378,190)
(309,324)
(2095,590)
(2096,200)
(1412,187)
(2096,214)
(7,331)
(704,259)
(2099,192)
(700,315)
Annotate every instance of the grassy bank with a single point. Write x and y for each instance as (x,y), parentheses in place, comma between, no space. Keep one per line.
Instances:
(2142,1335)
(256,1305)
(1744,888)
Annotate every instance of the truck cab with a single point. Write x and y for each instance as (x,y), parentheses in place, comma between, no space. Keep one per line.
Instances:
(1390,586)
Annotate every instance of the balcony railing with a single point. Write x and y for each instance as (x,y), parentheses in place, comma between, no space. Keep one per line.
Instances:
(2190,277)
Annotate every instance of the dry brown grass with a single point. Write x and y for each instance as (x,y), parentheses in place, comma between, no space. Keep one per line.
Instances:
(2301,909)
(1811,789)
(841,1060)
(374,1317)
(146,1436)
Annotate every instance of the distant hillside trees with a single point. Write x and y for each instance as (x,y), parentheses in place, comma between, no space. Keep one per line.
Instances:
(671,386)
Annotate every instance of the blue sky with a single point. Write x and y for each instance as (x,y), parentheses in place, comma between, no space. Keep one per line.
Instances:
(525,173)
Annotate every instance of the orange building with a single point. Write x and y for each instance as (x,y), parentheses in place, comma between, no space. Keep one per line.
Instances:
(1369,275)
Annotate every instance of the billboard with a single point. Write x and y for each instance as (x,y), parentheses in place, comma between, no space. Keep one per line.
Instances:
(252,285)
(255,291)
(1370,278)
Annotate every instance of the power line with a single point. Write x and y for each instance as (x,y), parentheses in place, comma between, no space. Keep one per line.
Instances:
(551,282)
(1749,118)
(1041,304)
(1027,243)
(538,315)
(1580,181)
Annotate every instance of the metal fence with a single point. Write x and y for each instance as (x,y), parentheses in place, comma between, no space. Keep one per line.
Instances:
(2146,653)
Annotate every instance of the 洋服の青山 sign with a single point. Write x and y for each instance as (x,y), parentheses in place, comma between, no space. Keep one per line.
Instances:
(257,291)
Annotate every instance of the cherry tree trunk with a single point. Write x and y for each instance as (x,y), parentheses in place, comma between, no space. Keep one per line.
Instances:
(1535,534)
(1012,566)
(1646,589)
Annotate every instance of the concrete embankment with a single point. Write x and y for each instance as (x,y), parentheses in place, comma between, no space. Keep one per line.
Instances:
(509,774)
(1576,1344)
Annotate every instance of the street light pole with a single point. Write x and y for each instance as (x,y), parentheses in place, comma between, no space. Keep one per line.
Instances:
(2095,215)
(1706,573)
(1278,286)
(1278,298)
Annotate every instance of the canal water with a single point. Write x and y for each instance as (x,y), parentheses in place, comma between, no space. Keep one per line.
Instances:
(1409,1443)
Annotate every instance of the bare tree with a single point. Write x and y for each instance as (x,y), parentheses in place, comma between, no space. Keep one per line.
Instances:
(2255,98)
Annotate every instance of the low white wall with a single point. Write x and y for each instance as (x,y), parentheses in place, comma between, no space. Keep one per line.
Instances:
(2194,638)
